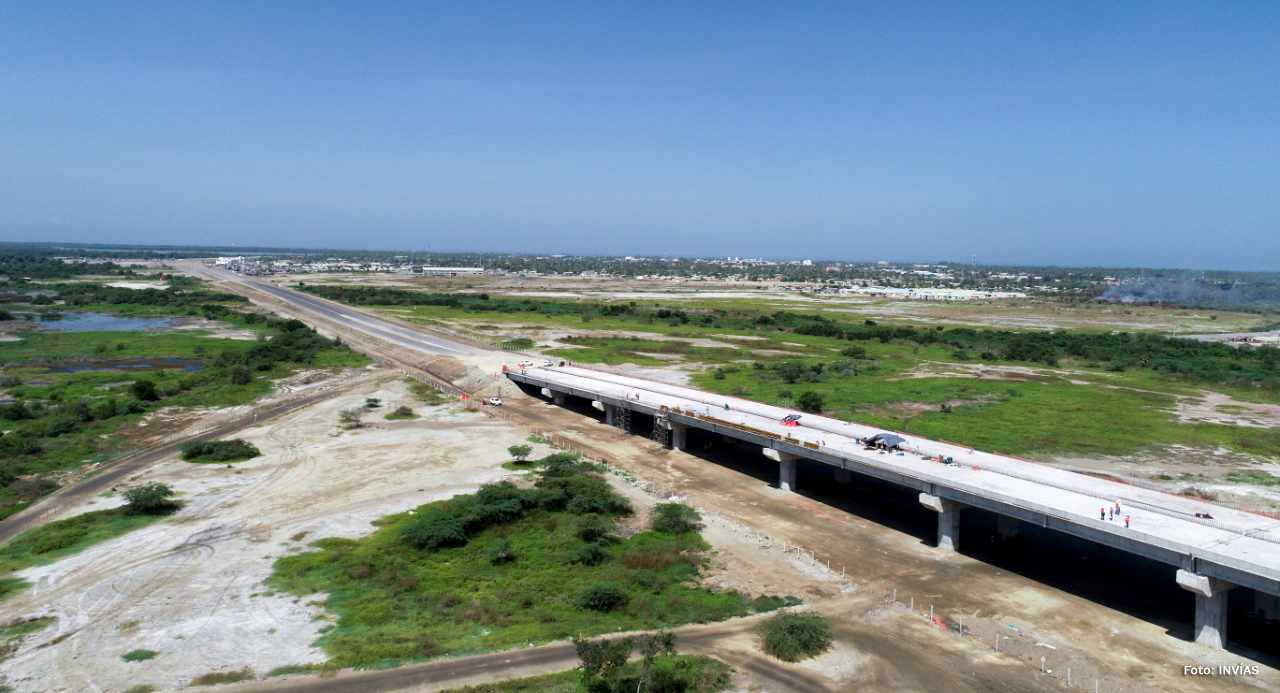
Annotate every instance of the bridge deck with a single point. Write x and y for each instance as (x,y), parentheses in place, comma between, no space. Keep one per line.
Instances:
(1163,526)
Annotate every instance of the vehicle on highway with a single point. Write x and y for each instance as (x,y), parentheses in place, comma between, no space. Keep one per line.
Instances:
(525,364)
(548,364)
(495,401)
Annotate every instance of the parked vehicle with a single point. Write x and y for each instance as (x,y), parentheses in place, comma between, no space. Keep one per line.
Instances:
(495,401)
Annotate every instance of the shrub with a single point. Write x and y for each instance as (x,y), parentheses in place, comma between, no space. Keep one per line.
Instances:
(603,598)
(650,580)
(674,518)
(435,531)
(593,528)
(144,390)
(501,552)
(810,401)
(218,677)
(219,451)
(403,412)
(138,655)
(588,554)
(519,452)
(792,637)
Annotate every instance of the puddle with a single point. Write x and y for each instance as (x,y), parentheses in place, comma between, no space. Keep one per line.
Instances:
(188,365)
(102,322)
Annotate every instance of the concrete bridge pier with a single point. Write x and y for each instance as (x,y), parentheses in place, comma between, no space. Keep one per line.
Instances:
(844,476)
(610,414)
(786,468)
(1266,606)
(948,519)
(1211,607)
(1007,526)
(679,436)
(557,398)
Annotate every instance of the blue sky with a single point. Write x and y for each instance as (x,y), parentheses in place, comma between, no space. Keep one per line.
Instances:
(1068,133)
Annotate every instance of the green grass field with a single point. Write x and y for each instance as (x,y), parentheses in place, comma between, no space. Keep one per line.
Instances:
(1074,408)
(395,603)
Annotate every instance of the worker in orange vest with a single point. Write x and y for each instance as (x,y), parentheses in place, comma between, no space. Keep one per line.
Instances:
(1126,521)
(1102,514)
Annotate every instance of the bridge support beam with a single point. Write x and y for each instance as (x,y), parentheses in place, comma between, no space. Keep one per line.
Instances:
(679,436)
(1211,607)
(786,468)
(610,414)
(948,519)
(557,398)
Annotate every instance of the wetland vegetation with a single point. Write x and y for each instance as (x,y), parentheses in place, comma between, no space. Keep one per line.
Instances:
(506,566)
(72,398)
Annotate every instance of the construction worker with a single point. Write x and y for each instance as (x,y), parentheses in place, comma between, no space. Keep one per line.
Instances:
(1110,515)
(1126,522)
(1102,514)
(1117,508)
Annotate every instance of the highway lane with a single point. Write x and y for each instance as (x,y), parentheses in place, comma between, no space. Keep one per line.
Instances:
(348,317)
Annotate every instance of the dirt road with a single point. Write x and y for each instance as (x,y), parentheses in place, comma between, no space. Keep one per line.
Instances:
(121,469)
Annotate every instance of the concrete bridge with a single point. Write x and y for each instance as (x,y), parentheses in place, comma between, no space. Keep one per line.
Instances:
(1214,548)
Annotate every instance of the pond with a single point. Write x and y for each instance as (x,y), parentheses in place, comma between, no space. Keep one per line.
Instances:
(102,322)
(188,365)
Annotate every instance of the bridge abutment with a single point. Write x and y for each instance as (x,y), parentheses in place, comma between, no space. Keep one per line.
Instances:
(1211,607)
(948,519)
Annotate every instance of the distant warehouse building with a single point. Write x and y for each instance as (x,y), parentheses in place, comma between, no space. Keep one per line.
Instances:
(448,271)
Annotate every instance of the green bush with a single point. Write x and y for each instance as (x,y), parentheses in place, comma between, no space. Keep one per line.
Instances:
(792,637)
(593,528)
(150,499)
(588,554)
(214,678)
(674,518)
(602,598)
(501,552)
(219,451)
(138,655)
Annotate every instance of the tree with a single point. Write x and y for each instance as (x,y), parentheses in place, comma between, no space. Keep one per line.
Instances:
(520,452)
(149,499)
(351,417)
(810,401)
(790,371)
(144,390)
(600,660)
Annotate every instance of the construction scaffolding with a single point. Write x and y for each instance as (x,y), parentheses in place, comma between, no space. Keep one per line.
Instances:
(661,431)
(622,419)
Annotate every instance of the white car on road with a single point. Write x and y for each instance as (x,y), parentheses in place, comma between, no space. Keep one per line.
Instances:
(495,401)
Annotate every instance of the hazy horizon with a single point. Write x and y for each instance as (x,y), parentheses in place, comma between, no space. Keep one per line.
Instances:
(1074,135)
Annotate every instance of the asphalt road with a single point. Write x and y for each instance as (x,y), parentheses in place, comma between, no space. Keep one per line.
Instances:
(348,317)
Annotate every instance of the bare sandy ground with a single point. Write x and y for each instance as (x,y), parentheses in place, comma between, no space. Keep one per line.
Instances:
(191,588)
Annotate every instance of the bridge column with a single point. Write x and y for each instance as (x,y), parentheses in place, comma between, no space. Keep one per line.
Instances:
(786,468)
(1007,526)
(948,519)
(610,414)
(844,476)
(557,398)
(679,434)
(1266,606)
(1211,607)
